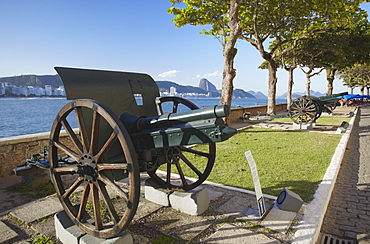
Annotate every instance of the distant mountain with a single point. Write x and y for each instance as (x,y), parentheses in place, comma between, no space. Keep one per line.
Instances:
(300,94)
(33,80)
(258,95)
(165,86)
(55,81)
(206,85)
(239,93)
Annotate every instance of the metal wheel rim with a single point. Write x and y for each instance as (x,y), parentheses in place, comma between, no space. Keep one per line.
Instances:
(97,189)
(209,156)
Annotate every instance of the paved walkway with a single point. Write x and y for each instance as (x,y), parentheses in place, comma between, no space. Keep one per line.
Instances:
(348,214)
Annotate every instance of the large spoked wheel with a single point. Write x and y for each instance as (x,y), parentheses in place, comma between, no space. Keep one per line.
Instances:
(197,161)
(304,110)
(97,181)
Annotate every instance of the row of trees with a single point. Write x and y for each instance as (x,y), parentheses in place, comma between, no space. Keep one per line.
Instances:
(357,76)
(314,35)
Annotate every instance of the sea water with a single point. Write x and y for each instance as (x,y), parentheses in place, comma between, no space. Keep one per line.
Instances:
(22,116)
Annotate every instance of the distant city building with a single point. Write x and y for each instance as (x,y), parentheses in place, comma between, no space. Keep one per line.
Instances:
(172,91)
(7,89)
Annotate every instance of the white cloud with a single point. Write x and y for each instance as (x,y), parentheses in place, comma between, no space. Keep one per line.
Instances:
(208,75)
(216,73)
(170,73)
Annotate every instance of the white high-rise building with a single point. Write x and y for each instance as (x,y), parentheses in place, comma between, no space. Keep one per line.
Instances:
(172,91)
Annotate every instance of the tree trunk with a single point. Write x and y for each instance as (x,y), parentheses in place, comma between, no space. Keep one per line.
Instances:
(330,79)
(228,74)
(351,92)
(229,53)
(308,84)
(362,90)
(271,102)
(290,88)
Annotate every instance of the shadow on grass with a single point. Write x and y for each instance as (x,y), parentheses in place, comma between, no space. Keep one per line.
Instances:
(305,189)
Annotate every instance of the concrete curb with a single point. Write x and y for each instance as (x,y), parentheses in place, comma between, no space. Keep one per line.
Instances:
(309,228)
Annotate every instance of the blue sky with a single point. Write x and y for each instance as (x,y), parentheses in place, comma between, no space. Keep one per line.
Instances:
(124,35)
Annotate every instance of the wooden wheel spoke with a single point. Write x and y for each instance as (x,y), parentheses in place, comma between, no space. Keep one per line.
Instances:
(114,187)
(105,166)
(108,202)
(168,176)
(72,188)
(107,144)
(175,106)
(84,199)
(65,170)
(311,114)
(181,173)
(96,206)
(94,133)
(83,130)
(200,153)
(159,108)
(72,135)
(191,166)
(308,104)
(67,150)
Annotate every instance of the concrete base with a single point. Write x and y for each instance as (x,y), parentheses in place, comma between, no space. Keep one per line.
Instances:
(302,126)
(67,232)
(156,194)
(193,202)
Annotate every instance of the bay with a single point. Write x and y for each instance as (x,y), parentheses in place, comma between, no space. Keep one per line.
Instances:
(22,116)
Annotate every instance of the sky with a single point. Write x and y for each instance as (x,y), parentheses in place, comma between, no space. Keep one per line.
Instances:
(125,35)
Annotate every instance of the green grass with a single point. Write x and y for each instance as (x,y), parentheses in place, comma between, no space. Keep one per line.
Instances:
(323,120)
(285,159)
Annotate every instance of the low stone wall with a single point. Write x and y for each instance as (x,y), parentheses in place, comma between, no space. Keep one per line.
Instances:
(236,113)
(15,150)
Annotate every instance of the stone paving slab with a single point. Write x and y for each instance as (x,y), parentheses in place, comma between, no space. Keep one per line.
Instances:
(237,208)
(175,223)
(145,208)
(214,195)
(6,233)
(38,210)
(231,234)
(46,228)
(278,220)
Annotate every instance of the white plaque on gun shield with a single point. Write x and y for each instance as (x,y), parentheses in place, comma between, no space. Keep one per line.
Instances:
(257,187)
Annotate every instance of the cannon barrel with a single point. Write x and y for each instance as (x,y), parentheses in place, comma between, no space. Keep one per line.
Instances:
(205,113)
(135,123)
(332,97)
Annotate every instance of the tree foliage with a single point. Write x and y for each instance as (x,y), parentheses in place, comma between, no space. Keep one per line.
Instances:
(280,23)
(356,76)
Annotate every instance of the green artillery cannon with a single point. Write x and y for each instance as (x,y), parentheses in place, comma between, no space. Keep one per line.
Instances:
(122,131)
(307,109)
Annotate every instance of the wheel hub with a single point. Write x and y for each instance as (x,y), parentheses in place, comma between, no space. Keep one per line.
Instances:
(87,168)
(172,155)
(302,111)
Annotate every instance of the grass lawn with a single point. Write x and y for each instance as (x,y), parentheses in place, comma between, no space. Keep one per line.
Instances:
(294,160)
